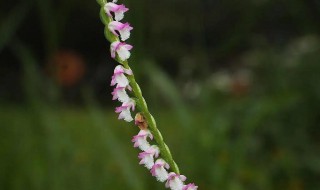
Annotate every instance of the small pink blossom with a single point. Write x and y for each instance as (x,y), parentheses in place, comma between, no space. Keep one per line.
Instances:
(119,78)
(190,186)
(121,70)
(131,104)
(122,49)
(159,170)
(118,10)
(124,110)
(123,29)
(120,94)
(140,140)
(147,157)
(125,113)
(175,181)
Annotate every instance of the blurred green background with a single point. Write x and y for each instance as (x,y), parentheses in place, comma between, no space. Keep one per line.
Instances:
(233,85)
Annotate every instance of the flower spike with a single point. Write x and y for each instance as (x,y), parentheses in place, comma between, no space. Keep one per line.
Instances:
(123,80)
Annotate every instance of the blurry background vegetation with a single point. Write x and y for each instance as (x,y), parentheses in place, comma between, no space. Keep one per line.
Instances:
(233,85)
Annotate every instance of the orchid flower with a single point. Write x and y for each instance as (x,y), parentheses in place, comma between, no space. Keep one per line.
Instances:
(119,78)
(175,181)
(118,10)
(140,140)
(124,110)
(120,94)
(122,49)
(123,29)
(190,186)
(159,170)
(147,157)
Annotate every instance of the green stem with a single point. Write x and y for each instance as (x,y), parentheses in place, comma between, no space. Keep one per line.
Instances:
(141,103)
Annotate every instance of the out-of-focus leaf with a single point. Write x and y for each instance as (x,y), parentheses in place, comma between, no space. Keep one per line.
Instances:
(166,87)
(111,142)
(11,24)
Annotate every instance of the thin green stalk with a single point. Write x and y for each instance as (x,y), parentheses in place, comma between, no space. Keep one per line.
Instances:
(140,101)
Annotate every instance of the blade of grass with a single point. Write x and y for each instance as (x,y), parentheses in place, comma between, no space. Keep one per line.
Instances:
(11,24)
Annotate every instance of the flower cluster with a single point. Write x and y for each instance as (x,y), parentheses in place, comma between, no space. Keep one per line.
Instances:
(119,29)
(150,158)
(150,155)
(121,83)
(120,48)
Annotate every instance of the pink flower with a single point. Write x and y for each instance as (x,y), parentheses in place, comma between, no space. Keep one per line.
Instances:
(125,113)
(175,181)
(123,29)
(119,77)
(190,186)
(122,49)
(124,110)
(140,140)
(131,104)
(159,170)
(120,94)
(147,157)
(118,10)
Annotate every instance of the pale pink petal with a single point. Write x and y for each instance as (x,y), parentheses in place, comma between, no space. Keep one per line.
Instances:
(175,181)
(190,186)
(122,49)
(159,171)
(118,10)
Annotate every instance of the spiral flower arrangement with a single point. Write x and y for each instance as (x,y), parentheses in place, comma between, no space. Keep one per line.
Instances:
(155,154)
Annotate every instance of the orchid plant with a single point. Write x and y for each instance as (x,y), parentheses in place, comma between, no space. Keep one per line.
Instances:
(155,154)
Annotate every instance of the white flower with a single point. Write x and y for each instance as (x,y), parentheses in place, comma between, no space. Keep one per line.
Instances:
(119,78)
(140,140)
(190,186)
(118,10)
(175,181)
(123,29)
(122,49)
(147,157)
(124,110)
(159,170)
(120,94)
